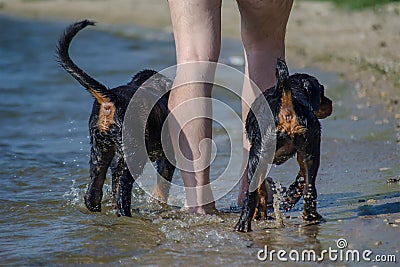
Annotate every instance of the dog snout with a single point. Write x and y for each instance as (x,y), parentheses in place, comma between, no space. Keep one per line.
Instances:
(325,108)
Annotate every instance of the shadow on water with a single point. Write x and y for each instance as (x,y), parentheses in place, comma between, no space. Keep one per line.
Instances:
(45,145)
(379,209)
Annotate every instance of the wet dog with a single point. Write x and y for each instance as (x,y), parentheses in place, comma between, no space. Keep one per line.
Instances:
(296,102)
(106,126)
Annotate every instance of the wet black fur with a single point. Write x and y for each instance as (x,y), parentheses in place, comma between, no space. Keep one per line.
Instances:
(307,96)
(106,146)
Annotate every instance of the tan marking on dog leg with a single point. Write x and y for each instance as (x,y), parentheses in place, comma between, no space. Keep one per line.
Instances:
(261,204)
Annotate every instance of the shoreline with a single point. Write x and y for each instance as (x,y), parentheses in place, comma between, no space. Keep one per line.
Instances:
(361,46)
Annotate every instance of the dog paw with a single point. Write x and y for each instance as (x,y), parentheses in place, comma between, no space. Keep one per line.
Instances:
(124,212)
(96,208)
(287,206)
(313,218)
(92,205)
(289,201)
(124,209)
(243,226)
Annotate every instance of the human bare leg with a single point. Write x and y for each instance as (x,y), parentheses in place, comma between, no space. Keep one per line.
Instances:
(263,28)
(197,33)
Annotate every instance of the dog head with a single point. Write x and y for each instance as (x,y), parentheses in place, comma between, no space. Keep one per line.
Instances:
(321,105)
(153,79)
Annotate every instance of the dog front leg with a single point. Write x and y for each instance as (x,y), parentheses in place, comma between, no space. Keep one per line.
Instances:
(295,190)
(100,159)
(256,170)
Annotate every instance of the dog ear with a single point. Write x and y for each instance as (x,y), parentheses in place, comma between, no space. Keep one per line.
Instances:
(314,90)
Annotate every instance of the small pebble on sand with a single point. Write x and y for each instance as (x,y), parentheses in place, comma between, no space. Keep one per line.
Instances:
(354,118)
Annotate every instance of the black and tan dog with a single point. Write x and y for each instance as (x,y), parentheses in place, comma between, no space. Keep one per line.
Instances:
(106,125)
(296,102)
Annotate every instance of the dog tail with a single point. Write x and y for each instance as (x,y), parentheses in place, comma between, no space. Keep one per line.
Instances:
(287,115)
(99,91)
(284,88)
(282,78)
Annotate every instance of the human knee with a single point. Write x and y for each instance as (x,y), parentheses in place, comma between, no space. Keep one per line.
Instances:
(264,16)
(197,30)
(203,45)
(254,4)
(264,23)
(264,5)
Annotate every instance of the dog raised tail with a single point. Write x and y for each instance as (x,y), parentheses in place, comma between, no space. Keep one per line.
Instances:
(282,78)
(287,116)
(98,90)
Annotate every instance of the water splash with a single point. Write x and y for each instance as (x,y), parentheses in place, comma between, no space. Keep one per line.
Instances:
(277,200)
(186,228)
(75,195)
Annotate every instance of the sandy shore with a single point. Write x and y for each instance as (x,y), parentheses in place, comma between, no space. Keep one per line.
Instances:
(360,46)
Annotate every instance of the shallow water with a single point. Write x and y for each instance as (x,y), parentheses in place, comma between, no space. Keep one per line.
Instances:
(44,142)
